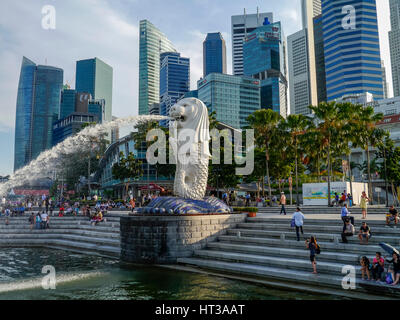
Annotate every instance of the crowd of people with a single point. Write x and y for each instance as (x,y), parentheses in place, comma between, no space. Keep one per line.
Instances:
(374,270)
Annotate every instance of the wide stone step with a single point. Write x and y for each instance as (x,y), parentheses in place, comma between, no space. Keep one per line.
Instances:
(338,257)
(320,236)
(90,233)
(304,277)
(55,236)
(321,222)
(321,228)
(81,247)
(325,246)
(276,262)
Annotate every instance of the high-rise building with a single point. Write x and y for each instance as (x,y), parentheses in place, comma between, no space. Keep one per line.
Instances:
(174,80)
(96,77)
(394,43)
(264,52)
(214,54)
(299,75)
(319,58)
(38,105)
(68,101)
(233,98)
(384,82)
(243,25)
(309,10)
(351,47)
(151,44)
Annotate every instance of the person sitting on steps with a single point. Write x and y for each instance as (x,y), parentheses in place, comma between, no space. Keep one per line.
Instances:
(392,216)
(365,233)
(378,265)
(348,231)
(346,215)
(365,267)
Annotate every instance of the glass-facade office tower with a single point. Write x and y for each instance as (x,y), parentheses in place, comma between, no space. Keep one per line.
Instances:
(151,44)
(214,54)
(38,105)
(351,47)
(96,77)
(319,58)
(233,98)
(174,80)
(394,43)
(243,25)
(265,60)
(68,100)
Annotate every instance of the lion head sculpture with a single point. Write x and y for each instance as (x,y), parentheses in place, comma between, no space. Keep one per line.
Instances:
(190,135)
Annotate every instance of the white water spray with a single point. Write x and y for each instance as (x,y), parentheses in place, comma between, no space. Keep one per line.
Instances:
(46,163)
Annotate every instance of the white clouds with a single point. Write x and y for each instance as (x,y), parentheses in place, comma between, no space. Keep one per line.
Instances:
(85,29)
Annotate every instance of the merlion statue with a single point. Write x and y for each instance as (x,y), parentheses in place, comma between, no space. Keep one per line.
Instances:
(189,139)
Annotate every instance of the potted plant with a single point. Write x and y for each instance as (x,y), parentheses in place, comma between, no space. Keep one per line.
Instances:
(251,212)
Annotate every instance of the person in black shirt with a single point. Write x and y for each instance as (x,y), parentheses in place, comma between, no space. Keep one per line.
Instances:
(393,215)
(396,268)
(364,234)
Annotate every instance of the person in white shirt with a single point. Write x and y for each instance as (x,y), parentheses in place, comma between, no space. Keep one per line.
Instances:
(298,217)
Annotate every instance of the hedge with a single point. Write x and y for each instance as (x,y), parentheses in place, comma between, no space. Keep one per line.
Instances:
(245,209)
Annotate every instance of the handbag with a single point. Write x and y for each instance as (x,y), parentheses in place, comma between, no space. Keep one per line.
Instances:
(293,223)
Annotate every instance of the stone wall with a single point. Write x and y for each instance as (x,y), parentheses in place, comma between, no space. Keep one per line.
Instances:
(164,239)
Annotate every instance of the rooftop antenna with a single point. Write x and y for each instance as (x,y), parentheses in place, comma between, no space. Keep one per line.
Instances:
(258,17)
(45,61)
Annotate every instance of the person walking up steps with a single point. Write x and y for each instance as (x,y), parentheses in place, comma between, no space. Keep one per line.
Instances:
(298,218)
(283,203)
(314,248)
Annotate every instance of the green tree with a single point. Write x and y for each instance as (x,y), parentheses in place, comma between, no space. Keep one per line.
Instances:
(367,135)
(328,124)
(127,168)
(296,127)
(265,122)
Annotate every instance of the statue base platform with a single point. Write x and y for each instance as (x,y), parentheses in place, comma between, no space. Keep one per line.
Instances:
(177,206)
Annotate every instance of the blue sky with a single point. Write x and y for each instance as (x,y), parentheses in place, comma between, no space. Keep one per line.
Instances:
(108,29)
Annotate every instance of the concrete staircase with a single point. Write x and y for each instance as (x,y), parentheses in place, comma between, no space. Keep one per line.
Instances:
(322,209)
(67,233)
(266,248)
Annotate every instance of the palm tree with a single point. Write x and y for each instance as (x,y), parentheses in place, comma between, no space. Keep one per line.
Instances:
(367,135)
(296,126)
(265,122)
(328,125)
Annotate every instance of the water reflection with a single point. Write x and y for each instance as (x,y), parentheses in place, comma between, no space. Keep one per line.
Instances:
(88,277)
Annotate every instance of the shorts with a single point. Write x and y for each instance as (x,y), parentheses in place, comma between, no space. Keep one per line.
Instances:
(312,258)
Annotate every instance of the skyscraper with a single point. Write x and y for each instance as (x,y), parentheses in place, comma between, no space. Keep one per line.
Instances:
(38,105)
(264,52)
(385,84)
(394,43)
(68,100)
(96,77)
(151,44)
(309,10)
(351,48)
(319,58)
(233,98)
(299,73)
(174,80)
(243,25)
(214,54)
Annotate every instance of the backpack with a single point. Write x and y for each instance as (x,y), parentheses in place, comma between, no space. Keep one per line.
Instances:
(318,249)
(389,279)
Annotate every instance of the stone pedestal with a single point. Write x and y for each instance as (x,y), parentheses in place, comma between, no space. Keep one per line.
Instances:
(164,239)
